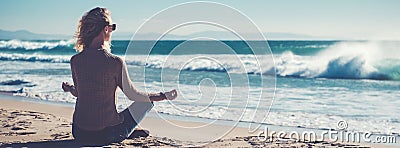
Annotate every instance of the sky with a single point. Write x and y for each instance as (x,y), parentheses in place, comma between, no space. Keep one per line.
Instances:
(338,19)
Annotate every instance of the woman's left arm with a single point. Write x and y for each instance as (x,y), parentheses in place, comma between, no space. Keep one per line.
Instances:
(127,87)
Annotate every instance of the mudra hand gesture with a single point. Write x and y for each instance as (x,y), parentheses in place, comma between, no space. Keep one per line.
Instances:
(171,95)
(66,87)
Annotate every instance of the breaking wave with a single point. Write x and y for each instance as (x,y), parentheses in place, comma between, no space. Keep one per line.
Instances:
(346,60)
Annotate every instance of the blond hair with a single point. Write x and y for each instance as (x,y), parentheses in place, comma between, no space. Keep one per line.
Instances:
(89,26)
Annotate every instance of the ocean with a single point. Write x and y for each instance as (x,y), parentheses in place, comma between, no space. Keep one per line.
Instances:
(318,83)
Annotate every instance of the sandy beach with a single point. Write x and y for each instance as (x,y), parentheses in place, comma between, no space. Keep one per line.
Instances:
(25,123)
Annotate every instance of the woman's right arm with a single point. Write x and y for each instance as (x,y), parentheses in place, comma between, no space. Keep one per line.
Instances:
(68,87)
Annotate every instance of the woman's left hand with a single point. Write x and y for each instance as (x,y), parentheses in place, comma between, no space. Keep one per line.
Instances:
(171,95)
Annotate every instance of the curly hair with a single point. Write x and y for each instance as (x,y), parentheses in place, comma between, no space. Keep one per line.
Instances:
(90,25)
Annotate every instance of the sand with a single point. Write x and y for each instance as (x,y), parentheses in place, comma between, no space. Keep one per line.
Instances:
(31,124)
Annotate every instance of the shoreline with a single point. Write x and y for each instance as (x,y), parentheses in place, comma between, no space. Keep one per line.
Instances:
(60,117)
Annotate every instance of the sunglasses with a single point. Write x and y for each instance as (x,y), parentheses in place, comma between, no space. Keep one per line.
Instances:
(113,26)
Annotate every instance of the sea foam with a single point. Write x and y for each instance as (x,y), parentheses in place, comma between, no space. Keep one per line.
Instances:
(32,45)
(344,60)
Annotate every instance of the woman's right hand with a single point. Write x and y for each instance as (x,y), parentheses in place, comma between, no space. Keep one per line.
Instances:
(66,86)
(171,95)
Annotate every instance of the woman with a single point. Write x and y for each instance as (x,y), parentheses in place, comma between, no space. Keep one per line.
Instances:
(96,74)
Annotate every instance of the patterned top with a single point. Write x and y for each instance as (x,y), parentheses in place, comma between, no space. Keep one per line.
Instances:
(97,74)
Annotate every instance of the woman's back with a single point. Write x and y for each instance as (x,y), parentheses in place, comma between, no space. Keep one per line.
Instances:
(96,74)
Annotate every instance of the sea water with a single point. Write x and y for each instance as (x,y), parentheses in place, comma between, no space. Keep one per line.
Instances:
(318,83)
